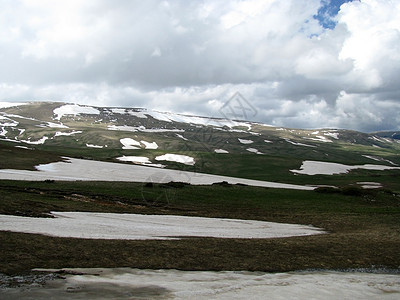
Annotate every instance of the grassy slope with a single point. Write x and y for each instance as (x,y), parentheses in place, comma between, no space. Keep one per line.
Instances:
(259,167)
(364,227)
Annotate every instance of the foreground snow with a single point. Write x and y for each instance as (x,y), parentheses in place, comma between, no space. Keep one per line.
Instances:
(126,283)
(149,227)
(90,170)
(310,167)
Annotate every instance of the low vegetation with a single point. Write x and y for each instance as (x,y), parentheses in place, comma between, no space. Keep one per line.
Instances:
(363,226)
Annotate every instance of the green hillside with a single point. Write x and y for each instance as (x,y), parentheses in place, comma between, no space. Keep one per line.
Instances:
(43,132)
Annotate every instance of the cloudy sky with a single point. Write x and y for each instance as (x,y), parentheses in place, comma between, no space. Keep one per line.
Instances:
(304,64)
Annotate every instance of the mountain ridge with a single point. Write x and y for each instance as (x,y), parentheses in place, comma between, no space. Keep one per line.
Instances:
(179,141)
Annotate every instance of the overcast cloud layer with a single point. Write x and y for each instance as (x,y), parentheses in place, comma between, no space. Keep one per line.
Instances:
(338,70)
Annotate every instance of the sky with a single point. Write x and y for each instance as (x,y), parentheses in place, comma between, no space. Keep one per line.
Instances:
(299,64)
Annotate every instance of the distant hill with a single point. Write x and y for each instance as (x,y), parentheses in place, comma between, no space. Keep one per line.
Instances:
(160,139)
(388,134)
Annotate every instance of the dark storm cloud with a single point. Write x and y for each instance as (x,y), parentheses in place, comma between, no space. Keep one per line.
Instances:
(191,56)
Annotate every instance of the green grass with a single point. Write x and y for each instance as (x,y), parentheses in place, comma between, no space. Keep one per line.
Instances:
(363,226)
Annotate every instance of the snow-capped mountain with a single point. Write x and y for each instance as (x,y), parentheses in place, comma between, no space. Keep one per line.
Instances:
(163,139)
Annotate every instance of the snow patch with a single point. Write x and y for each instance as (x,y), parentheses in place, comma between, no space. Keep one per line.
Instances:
(183,159)
(220,151)
(320,138)
(149,227)
(55,125)
(3,132)
(332,134)
(59,133)
(299,144)
(376,158)
(148,145)
(141,129)
(11,104)
(38,142)
(204,121)
(381,140)
(124,111)
(370,185)
(181,136)
(267,141)
(201,285)
(74,109)
(253,150)
(89,170)
(246,142)
(135,159)
(141,160)
(327,168)
(129,144)
(7,122)
(94,146)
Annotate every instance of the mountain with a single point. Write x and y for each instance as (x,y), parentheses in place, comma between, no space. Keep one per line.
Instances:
(161,139)
(388,134)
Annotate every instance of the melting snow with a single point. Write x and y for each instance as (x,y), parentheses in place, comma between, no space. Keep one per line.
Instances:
(55,125)
(148,145)
(3,132)
(142,160)
(382,140)
(39,142)
(11,104)
(243,141)
(220,151)
(94,146)
(332,134)
(74,109)
(7,122)
(299,144)
(379,159)
(181,136)
(59,133)
(89,170)
(149,227)
(123,128)
(204,121)
(127,283)
(123,111)
(135,159)
(327,168)
(320,138)
(142,129)
(267,141)
(129,143)
(183,159)
(253,150)
(370,185)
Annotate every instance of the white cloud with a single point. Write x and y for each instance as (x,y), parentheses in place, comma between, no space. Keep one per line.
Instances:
(192,56)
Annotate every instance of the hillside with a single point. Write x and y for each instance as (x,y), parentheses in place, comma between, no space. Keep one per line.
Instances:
(361,224)
(167,140)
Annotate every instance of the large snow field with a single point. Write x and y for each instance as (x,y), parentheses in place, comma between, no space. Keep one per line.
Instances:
(74,109)
(90,170)
(149,227)
(11,104)
(126,283)
(310,167)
